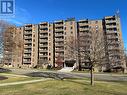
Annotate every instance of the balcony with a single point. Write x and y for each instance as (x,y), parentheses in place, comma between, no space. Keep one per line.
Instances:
(43,45)
(59,34)
(28,28)
(26,41)
(43,50)
(83,24)
(28,46)
(43,40)
(59,45)
(59,30)
(59,25)
(110,21)
(25,56)
(27,51)
(44,27)
(59,40)
(26,62)
(28,32)
(59,50)
(43,31)
(111,32)
(111,26)
(43,36)
(41,55)
(27,37)
(83,29)
(88,35)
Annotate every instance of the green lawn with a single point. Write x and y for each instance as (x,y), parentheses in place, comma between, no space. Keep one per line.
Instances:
(66,87)
(13,78)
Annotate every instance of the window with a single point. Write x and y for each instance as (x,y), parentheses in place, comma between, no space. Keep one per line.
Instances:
(71,27)
(64,28)
(71,32)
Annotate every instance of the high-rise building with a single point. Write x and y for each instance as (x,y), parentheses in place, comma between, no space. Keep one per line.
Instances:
(64,41)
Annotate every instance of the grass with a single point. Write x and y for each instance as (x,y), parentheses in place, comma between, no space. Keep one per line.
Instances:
(66,87)
(12,78)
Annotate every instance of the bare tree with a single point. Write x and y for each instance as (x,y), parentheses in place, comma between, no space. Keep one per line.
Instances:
(89,49)
(3,27)
(11,42)
(18,46)
(8,45)
(59,62)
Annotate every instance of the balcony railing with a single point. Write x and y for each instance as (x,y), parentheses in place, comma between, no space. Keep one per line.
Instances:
(110,26)
(59,34)
(30,46)
(110,21)
(83,29)
(25,56)
(27,32)
(27,51)
(43,40)
(83,24)
(43,36)
(28,28)
(58,30)
(43,50)
(41,55)
(27,37)
(57,44)
(26,41)
(59,39)
(43,45)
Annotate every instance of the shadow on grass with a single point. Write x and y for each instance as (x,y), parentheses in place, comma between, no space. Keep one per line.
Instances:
(3,78)
(47,75)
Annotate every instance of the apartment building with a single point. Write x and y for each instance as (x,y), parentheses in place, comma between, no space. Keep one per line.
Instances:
(114,43)
(68,41)
(43,43)
(89,31)
(64,35)
(18,48)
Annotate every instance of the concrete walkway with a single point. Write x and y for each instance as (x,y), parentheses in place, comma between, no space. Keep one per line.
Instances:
(24,82)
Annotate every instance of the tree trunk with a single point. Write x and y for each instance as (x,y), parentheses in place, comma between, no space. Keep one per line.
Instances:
(91,76)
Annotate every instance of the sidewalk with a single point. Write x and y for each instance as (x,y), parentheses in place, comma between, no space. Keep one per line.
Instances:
(24,82)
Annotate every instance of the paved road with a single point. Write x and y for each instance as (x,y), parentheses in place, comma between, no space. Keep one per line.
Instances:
(63,75)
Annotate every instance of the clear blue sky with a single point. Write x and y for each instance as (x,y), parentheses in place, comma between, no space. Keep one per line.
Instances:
(35,11)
